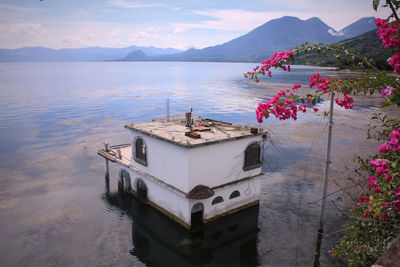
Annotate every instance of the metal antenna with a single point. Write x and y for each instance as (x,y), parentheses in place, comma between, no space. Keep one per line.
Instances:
(168,109)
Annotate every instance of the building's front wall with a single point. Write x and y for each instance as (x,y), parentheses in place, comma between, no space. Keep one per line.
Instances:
(164,198)
(249,193)
(165,161)
(222,163)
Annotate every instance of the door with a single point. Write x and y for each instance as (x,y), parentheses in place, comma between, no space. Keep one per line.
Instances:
(141,190)
(196,218)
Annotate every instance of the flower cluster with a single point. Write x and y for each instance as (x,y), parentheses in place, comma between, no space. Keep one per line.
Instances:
(283,109)
(276,61)
(384,201)
(283,105)
(346,102)
(393,143)
(321,83)
(389,34)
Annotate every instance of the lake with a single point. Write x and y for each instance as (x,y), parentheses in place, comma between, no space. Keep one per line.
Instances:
(57,210)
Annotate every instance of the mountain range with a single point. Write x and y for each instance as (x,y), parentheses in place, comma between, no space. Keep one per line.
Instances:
(275,35)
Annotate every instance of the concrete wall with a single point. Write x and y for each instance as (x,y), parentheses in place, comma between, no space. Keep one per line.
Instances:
(163,197)
(166,161)
(221,163)
(249,192)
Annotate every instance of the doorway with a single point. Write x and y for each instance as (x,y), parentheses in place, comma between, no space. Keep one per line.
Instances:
(196,218)
(141,190)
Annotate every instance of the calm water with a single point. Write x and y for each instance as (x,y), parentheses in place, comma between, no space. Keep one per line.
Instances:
(56,210)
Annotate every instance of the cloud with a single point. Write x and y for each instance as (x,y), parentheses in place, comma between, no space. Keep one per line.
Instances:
(234,19)
(16,8)
(128,4)
(17,33)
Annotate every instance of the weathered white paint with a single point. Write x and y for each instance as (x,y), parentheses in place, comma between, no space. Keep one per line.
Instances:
(220,163)
(166,161)
(173,203)
(249,192)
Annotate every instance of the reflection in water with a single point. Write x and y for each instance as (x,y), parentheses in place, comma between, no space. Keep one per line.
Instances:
(157,240)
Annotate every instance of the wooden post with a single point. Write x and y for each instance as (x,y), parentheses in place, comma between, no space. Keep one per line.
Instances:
(107,167)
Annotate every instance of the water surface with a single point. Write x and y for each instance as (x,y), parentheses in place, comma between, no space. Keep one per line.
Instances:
(56,209)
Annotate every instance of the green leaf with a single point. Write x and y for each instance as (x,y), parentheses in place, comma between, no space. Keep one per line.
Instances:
(375,4)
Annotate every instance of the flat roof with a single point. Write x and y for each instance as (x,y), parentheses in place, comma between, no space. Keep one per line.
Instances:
(173,131)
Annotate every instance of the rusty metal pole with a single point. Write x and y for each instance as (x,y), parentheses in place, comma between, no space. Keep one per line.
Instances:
(107,166)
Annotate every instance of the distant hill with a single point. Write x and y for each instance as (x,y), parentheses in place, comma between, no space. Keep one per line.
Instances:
(359,27)
(275,35)
(78,54)
(367,44)
(136,55)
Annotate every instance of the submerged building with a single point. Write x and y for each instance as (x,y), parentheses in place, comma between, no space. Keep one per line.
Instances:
(192,169)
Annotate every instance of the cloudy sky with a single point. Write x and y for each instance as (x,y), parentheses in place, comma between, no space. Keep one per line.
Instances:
(162,23)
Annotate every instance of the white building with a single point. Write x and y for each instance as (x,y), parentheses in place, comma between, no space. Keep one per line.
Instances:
(191,180)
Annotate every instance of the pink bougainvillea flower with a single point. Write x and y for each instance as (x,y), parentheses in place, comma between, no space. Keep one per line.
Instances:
(396,205)
(377,162)
(388,177)
(377,190)
(382,169)
(386,92)
(395,62)
(384,148)
(362,199)
(315,109)
(372,181)
(397,191)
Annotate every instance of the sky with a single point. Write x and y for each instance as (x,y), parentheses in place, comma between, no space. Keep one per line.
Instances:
(179,24)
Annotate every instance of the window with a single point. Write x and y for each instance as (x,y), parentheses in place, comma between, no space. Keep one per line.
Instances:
(252,157)
(140,151)
(234,194)
(217,200)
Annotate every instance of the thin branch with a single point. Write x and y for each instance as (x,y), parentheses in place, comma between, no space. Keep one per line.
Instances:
(392,8)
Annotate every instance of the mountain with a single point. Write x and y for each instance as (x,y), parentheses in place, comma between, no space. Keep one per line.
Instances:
(359,27)
(78,54)
(367,44)
(275,35)
(136,55)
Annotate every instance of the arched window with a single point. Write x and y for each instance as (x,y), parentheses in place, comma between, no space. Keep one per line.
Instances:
(252,156)
(234,194)
(140,151)
(217,200)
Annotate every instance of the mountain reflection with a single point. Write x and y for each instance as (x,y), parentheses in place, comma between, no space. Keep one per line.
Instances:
(158,241)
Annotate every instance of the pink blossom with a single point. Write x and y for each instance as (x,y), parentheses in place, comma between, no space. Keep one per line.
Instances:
(385,92)
(362,199)
(377,162)
(395,62)
(384,148)
(382,169)
(388,177)
(396,205)
(397,191)
(372,181)
(346,102)
(315,109)
(377,190)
